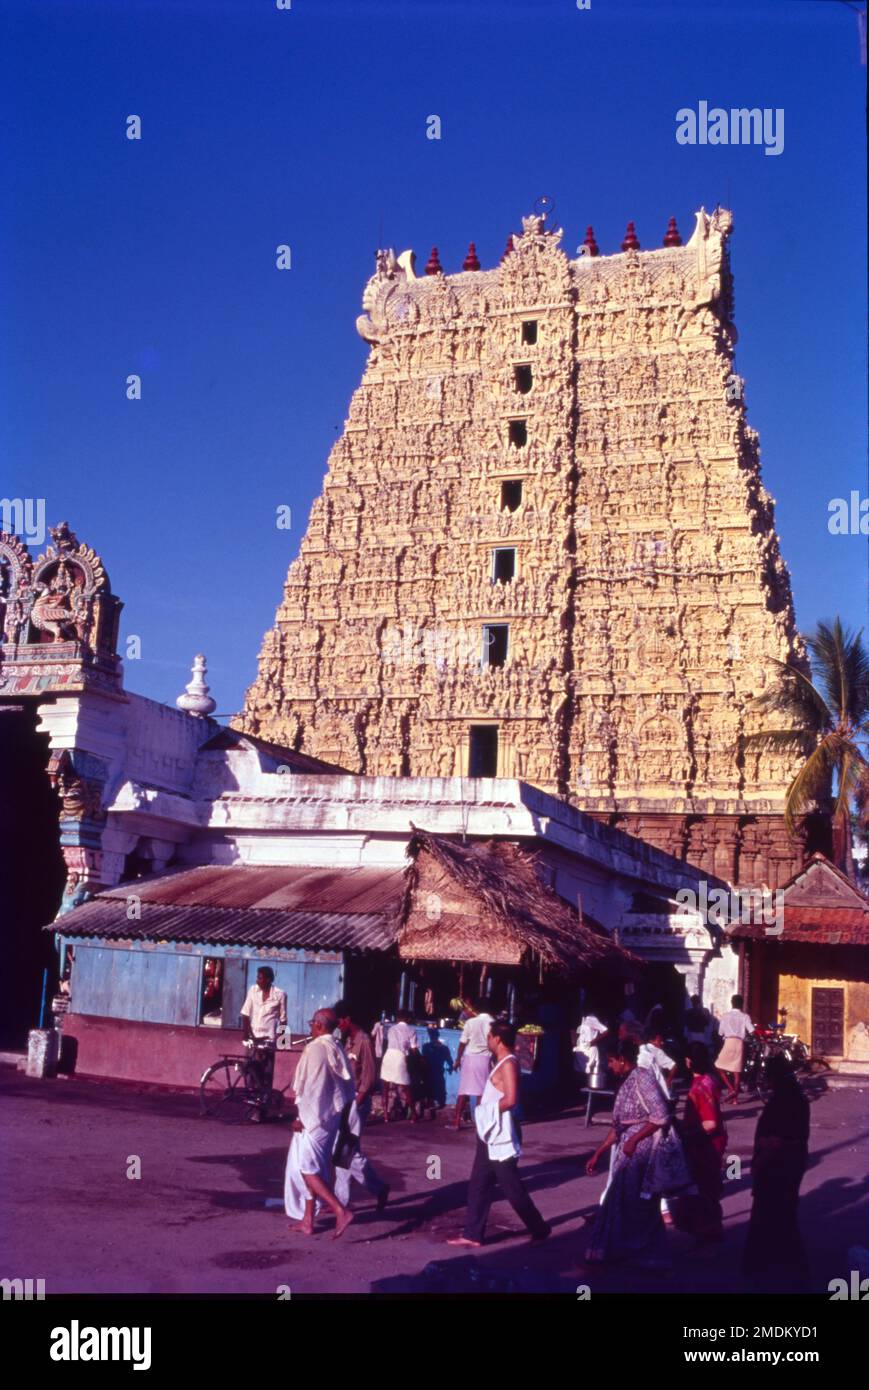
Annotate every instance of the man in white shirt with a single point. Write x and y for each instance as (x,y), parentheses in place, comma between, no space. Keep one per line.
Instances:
(324,1091)
(263,1014)
(734,1026)
(586,1053)
(473,1060)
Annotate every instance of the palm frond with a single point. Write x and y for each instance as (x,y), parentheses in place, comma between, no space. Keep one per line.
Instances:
(830,706)
(861,795)
(784,741)
(795,697)
(812,783)
(853,772)
(840,662)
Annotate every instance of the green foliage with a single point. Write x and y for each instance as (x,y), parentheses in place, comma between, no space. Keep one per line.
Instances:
(825,720)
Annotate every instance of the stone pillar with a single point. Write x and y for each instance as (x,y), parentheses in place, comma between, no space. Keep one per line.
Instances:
(722,837)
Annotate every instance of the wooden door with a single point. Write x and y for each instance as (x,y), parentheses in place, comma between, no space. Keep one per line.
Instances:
(828,1022)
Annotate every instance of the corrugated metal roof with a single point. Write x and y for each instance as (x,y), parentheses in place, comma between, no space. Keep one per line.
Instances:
(287,906)
(107,918)
(286,886)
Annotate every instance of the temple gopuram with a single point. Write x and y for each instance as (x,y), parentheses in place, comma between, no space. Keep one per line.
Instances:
(543,549)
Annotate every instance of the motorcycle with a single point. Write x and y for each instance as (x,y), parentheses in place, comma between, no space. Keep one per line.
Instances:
(766,1043)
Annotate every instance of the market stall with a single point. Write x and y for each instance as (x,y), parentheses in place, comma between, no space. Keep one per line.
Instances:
(477,919)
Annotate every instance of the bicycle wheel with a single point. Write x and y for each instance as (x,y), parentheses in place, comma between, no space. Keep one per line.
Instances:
(223,1094)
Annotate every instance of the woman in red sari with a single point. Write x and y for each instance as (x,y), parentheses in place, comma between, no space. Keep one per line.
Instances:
(705,1139)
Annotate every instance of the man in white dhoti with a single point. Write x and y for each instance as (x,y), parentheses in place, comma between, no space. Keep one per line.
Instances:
(590,1034)
(323,1089)
(360,1054)
(734,1027)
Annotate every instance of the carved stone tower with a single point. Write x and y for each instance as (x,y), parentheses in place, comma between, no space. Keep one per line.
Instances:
(543,549)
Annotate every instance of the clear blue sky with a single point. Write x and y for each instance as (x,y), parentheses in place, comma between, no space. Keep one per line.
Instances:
(307,127)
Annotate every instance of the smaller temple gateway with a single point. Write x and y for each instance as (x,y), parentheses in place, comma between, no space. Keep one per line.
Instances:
(816,968)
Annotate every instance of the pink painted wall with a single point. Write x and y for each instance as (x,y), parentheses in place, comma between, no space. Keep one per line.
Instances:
(161,1053)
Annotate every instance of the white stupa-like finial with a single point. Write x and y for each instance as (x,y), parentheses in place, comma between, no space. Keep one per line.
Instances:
(196,699)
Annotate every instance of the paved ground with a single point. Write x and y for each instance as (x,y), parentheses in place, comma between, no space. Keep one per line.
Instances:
(197,1219)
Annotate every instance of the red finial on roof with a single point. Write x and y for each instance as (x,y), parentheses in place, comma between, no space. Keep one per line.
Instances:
(433,265)
(592,247)
(671,236)
(630,242)
(470,262)
(508,249)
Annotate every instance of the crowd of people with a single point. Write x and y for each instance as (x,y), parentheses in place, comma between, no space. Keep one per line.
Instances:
(663,1168)
(667,1169)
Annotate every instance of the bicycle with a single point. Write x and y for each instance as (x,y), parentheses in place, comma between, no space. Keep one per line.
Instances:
(232,1088)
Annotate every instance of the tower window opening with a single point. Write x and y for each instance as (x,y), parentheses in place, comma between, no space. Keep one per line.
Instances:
(523,378)
(503,565)
(511,494)
(518,433)
(495,644)
(483,751)
(529,331)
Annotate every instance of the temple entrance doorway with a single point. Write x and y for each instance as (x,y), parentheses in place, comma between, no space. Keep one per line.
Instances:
(661,983)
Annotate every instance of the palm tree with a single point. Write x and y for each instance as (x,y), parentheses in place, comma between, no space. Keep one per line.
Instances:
(861,821)
(828,720)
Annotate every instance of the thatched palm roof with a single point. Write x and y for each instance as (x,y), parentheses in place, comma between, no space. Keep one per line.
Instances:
(518,917)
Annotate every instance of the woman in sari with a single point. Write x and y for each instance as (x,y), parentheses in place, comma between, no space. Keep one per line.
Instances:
(629,1225)
(774,1251)
(705,1139)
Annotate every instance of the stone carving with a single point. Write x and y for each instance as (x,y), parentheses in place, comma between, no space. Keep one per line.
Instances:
(648,601)
(75,892)
(16,570)
(81,797)
(66,580)
(59,617)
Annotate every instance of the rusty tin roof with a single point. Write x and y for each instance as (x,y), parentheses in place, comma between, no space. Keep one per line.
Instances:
(288,906)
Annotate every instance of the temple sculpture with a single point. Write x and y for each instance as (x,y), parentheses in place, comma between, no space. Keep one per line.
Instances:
(543,549)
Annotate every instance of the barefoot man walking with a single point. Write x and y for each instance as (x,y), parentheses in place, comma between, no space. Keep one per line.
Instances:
(734,1026)
(323,1089)
(498,1146)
